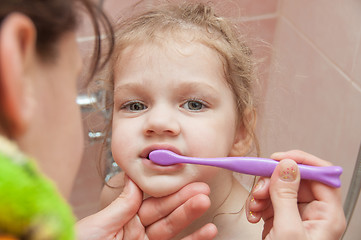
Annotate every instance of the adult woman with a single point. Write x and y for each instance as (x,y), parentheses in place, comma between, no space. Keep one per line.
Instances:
(39,65)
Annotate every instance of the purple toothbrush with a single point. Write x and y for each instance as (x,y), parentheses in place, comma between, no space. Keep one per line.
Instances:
(251,165)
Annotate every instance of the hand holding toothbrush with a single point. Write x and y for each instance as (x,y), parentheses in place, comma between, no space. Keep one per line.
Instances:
(295,209)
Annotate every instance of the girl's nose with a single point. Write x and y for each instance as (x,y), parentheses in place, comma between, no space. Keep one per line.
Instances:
(161,121)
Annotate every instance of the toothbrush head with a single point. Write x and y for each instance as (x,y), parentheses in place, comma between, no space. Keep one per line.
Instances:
(164,157)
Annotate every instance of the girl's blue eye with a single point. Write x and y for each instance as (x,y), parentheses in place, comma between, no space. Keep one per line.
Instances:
(134,106)
(194,105)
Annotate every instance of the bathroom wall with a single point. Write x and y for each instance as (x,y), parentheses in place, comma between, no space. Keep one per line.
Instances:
(310,83)
(313,100)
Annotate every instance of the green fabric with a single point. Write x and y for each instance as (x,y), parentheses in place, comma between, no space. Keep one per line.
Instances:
(30,204)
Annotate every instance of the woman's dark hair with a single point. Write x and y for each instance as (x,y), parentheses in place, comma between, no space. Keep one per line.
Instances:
(53,18)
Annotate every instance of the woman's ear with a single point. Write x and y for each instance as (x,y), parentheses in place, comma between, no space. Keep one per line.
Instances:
(17,55)
(244,138)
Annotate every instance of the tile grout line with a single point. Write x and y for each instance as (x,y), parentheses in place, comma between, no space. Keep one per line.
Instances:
(322,54)
(89,38)
(84,39)
(258,17)
(354,60)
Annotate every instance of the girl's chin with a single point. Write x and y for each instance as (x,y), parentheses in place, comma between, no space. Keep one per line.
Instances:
(160,190)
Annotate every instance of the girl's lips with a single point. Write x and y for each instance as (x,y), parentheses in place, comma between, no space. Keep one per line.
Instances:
(163,169)
(145,153)
(160,168)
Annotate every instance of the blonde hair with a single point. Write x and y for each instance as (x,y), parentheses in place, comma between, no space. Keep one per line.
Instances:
(198,21)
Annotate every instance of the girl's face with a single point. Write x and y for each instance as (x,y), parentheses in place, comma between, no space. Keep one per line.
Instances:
(172,97)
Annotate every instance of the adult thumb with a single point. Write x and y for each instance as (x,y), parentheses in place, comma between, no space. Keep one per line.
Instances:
(125,206)
(284,187)
(111,219)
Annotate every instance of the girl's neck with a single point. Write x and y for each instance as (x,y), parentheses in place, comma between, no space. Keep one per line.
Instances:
(221,189)
(227,198)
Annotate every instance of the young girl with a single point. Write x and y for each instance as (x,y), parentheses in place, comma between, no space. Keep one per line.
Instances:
(183,82)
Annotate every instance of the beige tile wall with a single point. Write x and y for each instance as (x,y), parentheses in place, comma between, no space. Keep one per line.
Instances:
(310,78)
(313,100)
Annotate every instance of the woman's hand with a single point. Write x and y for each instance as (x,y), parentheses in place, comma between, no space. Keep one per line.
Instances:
(128,217)
(295,209)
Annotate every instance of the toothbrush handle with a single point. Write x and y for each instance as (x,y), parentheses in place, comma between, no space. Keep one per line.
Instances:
(265,167)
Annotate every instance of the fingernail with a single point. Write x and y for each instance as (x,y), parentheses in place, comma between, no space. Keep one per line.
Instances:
(252,201)
(251,214)
(259,185)
(288,170)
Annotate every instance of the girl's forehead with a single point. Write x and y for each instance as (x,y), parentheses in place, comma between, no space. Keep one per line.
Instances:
(175,52)
(182,44)
(174,59)
(160,37)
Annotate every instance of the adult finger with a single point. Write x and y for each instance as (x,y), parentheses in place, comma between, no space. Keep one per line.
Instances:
(257,209)
(315,190)
(125,206)
(261,189)
(258,200)
(257,205)
(154,209)
(134,230)
(207,232)
(284,186)
(181,217)
(267,227)
(300,157)
(111,219)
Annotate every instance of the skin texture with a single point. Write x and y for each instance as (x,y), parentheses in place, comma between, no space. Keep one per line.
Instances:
(38,103)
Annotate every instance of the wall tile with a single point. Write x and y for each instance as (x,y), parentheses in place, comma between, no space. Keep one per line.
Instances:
(237,8)
(334,26)
(259,34)
(261,31)
(309,105)
(254,7)
(228,8)
(356,67)
(85,27)
(353,231)
(88,184)
(118,9)
(86,51)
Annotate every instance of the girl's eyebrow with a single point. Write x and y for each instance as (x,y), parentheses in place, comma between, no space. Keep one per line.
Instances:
(129,86)
(189,87)
(186,87)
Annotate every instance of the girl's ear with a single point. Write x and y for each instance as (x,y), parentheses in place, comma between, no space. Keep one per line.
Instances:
(17,56)
(244,137)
